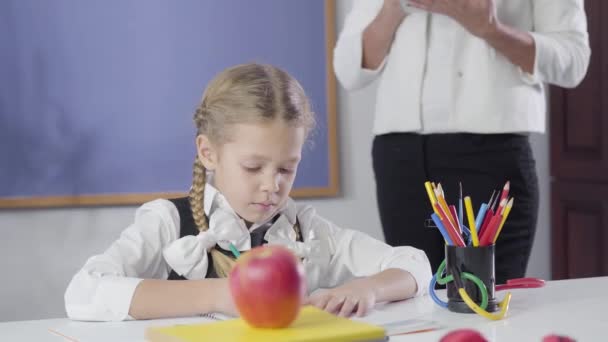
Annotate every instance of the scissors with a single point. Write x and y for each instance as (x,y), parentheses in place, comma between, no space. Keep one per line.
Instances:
(521,283)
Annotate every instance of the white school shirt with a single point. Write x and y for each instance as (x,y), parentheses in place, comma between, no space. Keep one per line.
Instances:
(102,290)
(438,78)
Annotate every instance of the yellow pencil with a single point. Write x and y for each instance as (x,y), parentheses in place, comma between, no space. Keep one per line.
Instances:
(469,208)
(504,218)
(429,192)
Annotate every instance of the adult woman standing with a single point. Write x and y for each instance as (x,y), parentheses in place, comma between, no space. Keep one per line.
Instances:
(461,84)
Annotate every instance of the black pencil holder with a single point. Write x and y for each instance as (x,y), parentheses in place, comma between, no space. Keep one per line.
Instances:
(478,261)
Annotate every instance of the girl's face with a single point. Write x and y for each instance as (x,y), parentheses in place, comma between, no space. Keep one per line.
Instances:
(256,167)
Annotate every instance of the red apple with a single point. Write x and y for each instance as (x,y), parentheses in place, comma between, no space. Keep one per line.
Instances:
(267,285)
(462,335)
(558,338)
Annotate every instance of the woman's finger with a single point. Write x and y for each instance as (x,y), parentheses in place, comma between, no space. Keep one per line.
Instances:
(421,4)
(427,3)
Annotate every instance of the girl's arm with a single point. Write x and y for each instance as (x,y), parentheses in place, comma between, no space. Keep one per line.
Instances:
(128,280)
(361,294)
(392,284)
(358,255)
(154,298)
(362,270)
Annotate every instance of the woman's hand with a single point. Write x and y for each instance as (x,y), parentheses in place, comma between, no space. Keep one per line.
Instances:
(477,16)
(393,5)
(392,9)
(357,296)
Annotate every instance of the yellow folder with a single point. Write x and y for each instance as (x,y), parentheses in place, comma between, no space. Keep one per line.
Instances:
(311,325)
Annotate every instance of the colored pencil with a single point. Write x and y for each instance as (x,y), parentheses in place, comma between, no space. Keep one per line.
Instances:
(504,218)
(472,227)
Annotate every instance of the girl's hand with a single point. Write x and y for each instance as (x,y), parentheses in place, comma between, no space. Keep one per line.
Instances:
(224,303)
(357,296)
(477,16)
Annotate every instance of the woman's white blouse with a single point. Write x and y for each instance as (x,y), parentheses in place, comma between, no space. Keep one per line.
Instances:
(439,78)
(150,247)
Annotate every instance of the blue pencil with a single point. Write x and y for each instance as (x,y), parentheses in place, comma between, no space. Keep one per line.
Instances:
(480,215)
(460,215)
(441,228)
(467,234)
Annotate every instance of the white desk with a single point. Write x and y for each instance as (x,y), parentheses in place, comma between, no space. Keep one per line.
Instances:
(576,308)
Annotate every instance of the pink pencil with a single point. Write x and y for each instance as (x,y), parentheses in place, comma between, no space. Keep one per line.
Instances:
(505,192)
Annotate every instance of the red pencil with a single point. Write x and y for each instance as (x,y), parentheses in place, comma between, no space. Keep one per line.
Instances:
(455,215)
(487,237)
(486,220)
(501,207)
(505,192)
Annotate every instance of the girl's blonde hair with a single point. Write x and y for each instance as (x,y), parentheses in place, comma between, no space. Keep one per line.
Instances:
(247,93)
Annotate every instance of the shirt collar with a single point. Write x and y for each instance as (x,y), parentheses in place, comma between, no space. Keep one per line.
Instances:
(213,199)
(210,196)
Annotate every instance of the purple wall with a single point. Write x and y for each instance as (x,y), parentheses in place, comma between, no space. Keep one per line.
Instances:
(97,97)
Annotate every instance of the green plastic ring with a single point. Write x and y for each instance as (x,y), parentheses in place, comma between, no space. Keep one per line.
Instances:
(466,275)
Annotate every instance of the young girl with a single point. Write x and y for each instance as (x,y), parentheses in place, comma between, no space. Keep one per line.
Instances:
(251,125)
